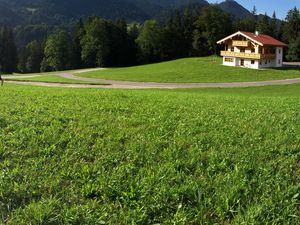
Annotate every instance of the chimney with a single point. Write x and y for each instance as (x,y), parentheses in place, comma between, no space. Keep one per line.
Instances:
(256,33)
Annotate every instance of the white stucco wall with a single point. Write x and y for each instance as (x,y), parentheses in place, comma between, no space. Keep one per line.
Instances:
(248,64)
(229,63)
(279,57)
(237,62)
(267,63)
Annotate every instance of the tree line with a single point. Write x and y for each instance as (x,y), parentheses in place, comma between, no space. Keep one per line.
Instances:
(96,42)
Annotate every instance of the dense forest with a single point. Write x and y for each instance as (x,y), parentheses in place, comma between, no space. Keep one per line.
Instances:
(98,42)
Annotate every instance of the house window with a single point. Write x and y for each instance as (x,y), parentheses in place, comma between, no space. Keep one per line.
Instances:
(279,51)
(279,61)
(266,62)
(260,62)
(228,59)
(252,62)
(242,50)
(242,62)
(273,51)
(252,50)
(232,49)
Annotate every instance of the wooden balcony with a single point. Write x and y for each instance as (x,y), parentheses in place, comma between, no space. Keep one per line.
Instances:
(240,43)
(248,55)
(268,56)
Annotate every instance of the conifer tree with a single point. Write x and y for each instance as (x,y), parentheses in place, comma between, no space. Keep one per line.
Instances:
(274,26)
(8,51)
(76,49)
(212,25)
(291,29)
(188,30)
(291,34)
(120,43)
(263,25)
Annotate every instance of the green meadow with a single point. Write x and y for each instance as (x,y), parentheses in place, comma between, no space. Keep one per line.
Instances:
(205,69)
(213,156)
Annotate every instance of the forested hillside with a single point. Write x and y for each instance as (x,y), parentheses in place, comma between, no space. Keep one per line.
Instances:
(54,12)
(64,11)
(35,19)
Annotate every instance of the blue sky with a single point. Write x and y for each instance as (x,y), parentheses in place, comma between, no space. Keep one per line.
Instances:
(281,7)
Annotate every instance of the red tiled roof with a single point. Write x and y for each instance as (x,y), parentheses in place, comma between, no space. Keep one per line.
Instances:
(264,39)
(260,39)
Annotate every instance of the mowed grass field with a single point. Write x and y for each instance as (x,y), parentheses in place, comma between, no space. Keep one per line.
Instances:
(189,70)
(213,156)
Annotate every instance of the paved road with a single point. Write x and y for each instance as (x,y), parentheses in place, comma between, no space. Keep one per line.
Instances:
(291,64)
(152,85)
(20,76)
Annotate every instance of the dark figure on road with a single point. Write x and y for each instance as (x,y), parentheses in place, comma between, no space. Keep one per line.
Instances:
(1,80)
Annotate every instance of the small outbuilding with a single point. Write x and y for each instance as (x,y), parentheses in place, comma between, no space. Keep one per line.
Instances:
(252,50)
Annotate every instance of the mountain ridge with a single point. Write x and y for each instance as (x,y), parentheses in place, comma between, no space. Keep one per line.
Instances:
(234,9)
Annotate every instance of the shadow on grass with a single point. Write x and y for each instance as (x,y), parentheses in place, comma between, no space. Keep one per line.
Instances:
(55,82)
(288,67)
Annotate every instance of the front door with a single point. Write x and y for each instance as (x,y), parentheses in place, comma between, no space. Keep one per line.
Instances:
(242,62)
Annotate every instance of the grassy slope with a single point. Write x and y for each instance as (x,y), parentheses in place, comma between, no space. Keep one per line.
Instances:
(221,156)
(53,79)
(192,70)
(267,91)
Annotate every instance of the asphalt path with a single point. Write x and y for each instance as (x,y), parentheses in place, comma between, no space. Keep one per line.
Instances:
(143,85)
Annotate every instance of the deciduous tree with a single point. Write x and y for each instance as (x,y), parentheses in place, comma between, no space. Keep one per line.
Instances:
(149,42)
(31,58)
(57,52)
(95,43)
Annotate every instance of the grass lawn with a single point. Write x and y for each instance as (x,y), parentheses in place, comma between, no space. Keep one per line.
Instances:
(53,79)
(213,156)
(192,70)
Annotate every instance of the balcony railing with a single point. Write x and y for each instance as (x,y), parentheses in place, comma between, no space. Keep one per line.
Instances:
(240,43)
(248,55)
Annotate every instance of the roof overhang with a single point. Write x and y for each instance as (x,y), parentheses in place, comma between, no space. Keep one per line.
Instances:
(241,34)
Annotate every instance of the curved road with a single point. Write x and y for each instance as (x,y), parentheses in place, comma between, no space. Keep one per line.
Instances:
(151,85)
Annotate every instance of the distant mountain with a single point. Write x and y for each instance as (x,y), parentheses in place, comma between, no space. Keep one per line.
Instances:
(168,4)
(235,9)
(58,11)
(54,12)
